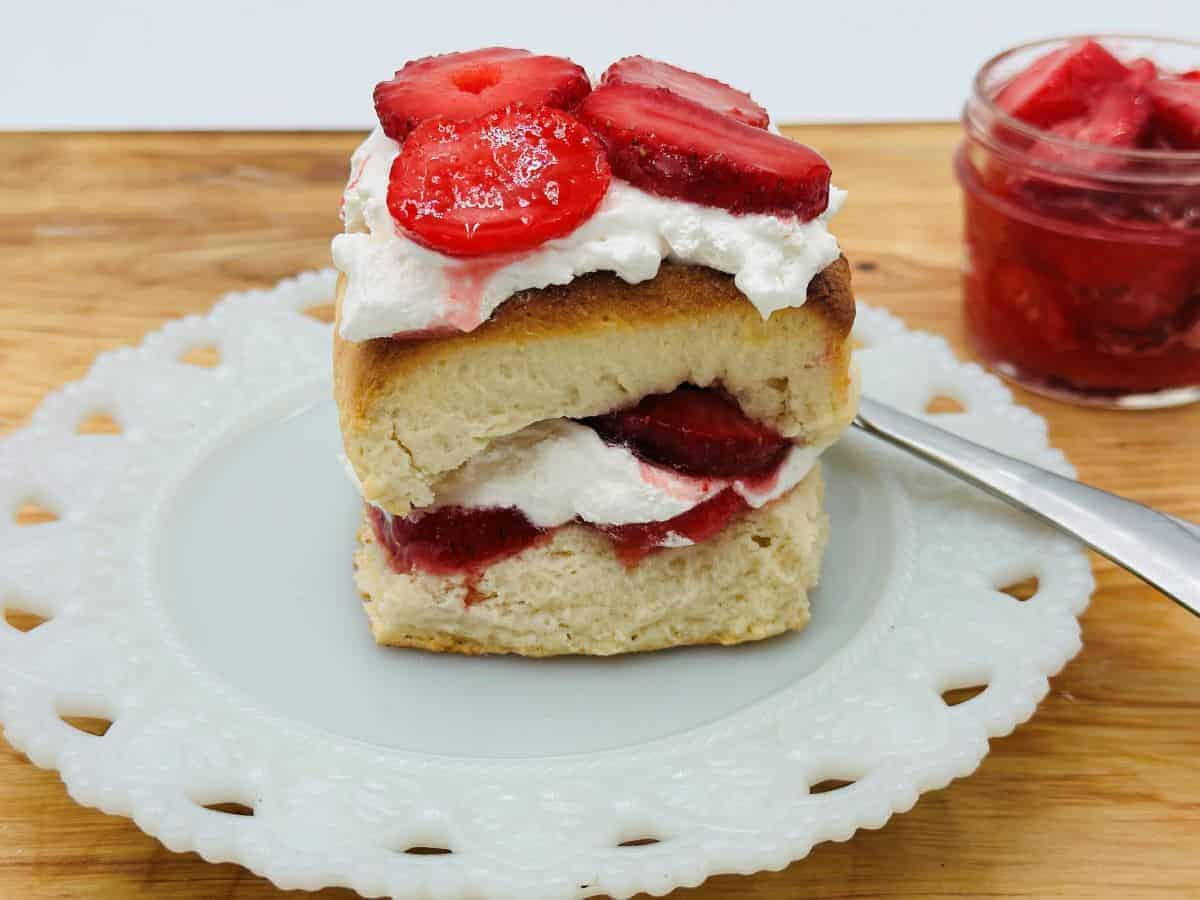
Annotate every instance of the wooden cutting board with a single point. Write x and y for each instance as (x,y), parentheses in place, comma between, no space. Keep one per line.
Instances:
(106,237)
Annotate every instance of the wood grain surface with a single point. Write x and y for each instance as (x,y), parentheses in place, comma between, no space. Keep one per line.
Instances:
(105,237)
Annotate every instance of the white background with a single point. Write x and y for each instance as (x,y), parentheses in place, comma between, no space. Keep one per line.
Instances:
(120,64)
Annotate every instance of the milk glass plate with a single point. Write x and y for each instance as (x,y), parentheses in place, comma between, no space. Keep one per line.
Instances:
(196,591)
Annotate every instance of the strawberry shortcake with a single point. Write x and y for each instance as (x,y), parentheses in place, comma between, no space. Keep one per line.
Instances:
(591,341)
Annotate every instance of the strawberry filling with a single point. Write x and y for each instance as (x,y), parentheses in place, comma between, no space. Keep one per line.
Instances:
(453,539)
(634,542)
(695,431)
(698,432)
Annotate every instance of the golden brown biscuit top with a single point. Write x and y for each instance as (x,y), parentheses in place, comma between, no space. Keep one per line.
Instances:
(603,301)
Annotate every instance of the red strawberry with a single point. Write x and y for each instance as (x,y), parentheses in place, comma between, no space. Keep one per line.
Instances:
(1142,70)
(503,183)
(453,538)
(716,95)
(1193,75)
(468,85)
(698,432)
(1119,119)
(1061,85)
(698,524)
(1177,111)
(669,145)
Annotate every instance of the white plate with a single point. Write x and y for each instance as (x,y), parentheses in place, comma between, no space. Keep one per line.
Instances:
(198,594)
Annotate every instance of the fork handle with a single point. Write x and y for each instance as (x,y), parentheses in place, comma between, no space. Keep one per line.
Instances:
(1159,549)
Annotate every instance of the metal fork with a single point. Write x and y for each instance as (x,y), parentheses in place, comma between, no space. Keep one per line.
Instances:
(1161,550)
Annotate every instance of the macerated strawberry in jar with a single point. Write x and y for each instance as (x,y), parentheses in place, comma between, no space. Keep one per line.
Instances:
(1177,111)
(1062,84)
(506,182)
(1078,309)
(467,85)
(1082,274)
(1119,117)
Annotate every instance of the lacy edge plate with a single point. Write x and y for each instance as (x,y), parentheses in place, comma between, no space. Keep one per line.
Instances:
(195,590)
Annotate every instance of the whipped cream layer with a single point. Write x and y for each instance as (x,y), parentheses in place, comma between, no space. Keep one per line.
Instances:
(558,471)
(394,285)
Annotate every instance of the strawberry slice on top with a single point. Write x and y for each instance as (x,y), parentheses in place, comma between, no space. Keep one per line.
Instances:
(1062,84)
(467,85)
(505,182)
(716,95)
(675,147)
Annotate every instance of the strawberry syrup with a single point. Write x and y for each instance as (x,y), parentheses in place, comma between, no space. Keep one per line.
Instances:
(358,172)
(404,557)
(353,183)
(762,483)
(466,283)
(674,485)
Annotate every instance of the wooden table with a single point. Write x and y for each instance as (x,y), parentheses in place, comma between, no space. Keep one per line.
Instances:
(106,237)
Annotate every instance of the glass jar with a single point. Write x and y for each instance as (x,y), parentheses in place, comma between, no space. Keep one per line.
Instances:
(1082,262)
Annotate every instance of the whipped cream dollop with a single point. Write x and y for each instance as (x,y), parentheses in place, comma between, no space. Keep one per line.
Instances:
(558,470)
(394,285)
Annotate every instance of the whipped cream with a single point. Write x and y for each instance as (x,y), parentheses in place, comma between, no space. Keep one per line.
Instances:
(557,471)
(394,285)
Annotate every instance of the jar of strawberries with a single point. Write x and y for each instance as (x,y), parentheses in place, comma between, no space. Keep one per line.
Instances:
(1080,169)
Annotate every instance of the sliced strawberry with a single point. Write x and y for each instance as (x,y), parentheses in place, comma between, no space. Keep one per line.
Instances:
(716,95)
(633,542)
(1142,70)
(467,85)
(1177,111)
(669,145)
(1119,119)
(1062,84)
(698,432)
(503,183)
(453,538)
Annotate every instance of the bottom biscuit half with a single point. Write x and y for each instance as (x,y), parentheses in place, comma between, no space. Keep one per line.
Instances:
(572,595)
